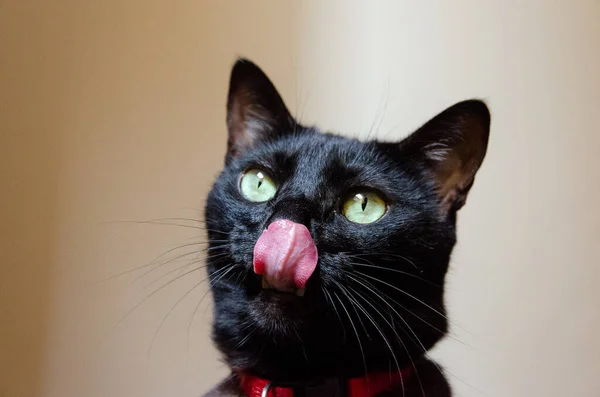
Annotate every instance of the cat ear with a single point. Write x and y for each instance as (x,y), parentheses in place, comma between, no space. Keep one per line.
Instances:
(255,110)
(452,146)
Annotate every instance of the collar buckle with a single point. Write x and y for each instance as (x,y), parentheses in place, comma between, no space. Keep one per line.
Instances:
(265,390)
(331,387)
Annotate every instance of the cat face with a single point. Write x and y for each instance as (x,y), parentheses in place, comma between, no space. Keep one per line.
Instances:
(328,254)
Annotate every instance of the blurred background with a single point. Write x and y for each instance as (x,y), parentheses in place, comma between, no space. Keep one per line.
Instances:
(113,112)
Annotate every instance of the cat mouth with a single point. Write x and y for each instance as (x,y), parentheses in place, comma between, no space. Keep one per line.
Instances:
(285,256)
(266,286)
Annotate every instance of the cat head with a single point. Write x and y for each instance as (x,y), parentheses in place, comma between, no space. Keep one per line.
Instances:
(327,255)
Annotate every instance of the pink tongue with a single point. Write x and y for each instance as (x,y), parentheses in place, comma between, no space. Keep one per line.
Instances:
(285,255)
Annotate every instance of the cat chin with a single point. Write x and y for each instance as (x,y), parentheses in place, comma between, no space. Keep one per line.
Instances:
(278,312)
(267,287)
(280,305)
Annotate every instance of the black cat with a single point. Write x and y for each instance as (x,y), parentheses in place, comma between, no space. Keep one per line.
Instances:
(328,254)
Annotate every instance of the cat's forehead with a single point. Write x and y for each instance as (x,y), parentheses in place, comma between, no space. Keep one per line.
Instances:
(317,159)
(318,150)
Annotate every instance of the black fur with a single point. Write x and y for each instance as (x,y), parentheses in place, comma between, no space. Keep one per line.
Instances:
(375,302)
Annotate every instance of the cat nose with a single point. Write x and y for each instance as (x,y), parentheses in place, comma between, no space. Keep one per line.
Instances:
(295,210)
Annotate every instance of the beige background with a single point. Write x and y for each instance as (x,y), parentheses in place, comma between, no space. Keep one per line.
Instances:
(114,111)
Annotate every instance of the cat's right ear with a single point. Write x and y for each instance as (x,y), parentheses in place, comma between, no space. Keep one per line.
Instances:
(255,110)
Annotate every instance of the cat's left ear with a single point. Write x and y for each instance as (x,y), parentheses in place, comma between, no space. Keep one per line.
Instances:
(255,110)
(452,146)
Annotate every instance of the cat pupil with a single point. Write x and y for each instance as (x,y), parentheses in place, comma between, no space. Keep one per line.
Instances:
(364,200)
(260,179)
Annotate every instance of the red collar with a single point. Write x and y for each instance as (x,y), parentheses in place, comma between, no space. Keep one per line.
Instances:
(367,386)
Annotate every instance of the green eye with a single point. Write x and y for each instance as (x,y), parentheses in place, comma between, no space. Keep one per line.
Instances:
(257,186)
(365,207)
